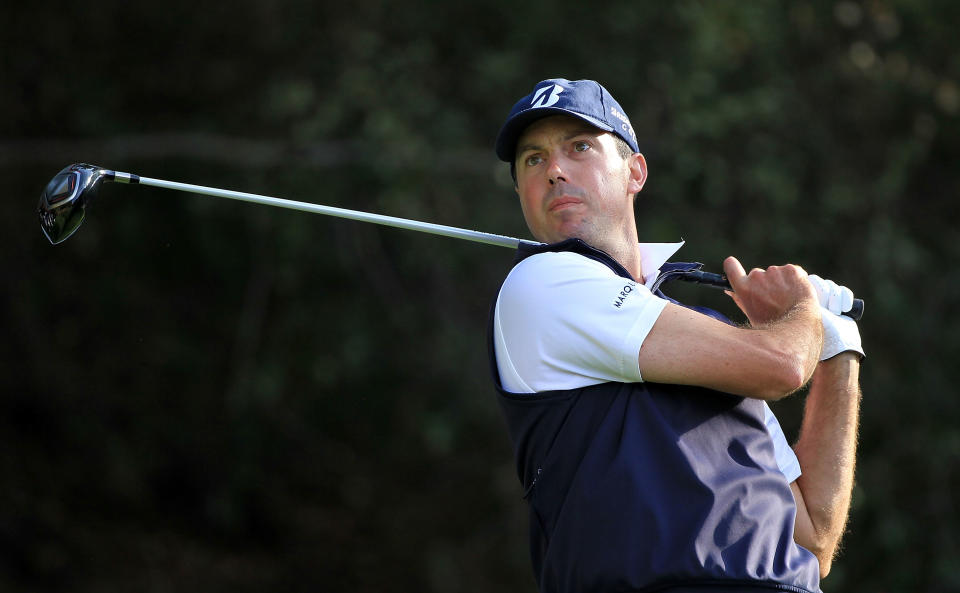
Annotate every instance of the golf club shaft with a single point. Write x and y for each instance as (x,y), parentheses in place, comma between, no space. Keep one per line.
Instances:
(401,223)
(707,278)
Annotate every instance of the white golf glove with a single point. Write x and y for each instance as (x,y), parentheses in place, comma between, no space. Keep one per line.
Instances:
(840,333)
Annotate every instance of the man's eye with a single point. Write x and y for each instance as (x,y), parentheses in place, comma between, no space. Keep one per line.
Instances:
(532,161)
(581,146)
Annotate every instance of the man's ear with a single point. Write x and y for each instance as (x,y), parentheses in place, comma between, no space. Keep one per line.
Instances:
(638,173)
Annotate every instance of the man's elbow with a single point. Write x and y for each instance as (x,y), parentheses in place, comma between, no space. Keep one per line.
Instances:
(822,544)
(825,565)
(824,553)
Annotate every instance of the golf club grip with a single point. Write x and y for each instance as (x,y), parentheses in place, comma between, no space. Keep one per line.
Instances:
(720,281)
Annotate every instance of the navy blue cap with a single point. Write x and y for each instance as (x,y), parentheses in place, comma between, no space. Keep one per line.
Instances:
(583,99)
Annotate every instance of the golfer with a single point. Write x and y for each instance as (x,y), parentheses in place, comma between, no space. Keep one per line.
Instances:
(646,450)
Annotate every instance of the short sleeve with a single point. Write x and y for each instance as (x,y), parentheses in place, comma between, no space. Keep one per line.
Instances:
(786,459)
(563,321)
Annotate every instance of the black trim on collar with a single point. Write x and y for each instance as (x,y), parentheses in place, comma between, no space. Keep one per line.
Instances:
(668,271)
(575,245)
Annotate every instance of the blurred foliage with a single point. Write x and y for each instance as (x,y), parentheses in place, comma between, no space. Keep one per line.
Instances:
(203,395)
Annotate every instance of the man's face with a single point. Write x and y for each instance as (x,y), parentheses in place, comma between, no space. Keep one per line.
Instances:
(573,183)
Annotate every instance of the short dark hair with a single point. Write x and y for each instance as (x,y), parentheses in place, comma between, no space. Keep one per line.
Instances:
(623,149)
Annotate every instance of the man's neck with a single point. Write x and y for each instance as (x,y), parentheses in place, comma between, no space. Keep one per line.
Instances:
(629,257)
(622,245)
(627,254)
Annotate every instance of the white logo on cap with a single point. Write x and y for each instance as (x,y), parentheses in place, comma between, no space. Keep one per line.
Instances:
(625,126)
(542,99)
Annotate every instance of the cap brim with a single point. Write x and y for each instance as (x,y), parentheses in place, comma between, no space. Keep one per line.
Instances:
(506,145)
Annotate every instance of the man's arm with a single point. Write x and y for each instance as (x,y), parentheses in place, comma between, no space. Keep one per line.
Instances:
(827,454)
(774,357)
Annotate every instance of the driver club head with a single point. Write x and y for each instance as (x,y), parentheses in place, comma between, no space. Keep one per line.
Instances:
(63,201)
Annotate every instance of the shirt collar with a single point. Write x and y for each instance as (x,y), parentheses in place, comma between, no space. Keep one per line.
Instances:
(654,255)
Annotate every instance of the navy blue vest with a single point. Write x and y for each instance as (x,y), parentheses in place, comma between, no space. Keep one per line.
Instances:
(647,487)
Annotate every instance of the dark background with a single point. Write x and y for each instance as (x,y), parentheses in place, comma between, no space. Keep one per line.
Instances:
(205,395)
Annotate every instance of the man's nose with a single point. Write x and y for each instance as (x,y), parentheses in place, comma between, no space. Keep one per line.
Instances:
(555,172)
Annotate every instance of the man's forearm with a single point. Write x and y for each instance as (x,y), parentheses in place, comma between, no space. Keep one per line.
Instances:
(827,452)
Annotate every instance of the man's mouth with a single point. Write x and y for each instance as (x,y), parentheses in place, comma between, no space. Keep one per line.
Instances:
(563,202)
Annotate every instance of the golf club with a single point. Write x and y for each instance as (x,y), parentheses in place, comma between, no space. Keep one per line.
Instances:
(64,200)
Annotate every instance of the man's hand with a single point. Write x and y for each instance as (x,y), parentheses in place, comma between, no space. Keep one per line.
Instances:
(768,295)
(840,333)
(773,358)
(833,297)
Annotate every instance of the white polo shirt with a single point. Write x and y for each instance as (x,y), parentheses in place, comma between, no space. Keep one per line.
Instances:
(564,321)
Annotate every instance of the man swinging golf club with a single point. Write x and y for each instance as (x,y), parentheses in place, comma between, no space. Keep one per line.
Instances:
(647,456)
(646,450)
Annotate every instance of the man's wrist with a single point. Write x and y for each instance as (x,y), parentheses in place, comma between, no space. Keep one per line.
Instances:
(840,334)
(845,357)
